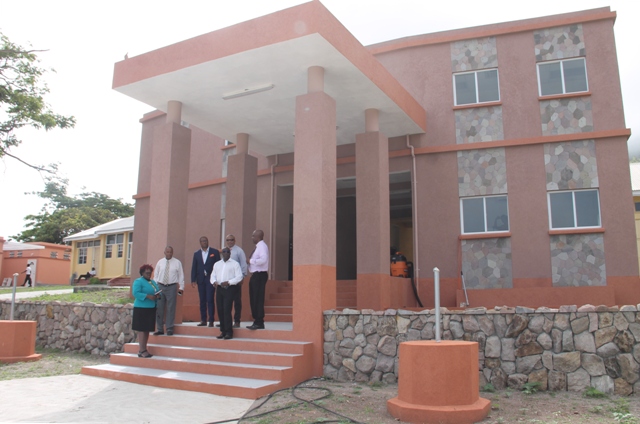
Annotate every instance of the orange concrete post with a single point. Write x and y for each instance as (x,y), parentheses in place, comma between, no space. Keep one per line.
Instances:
(169,186)
(242,194)
(438,383)
(372,216)
(314,214)
(18,341)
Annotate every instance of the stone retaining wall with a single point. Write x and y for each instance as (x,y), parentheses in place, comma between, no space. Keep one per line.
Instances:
(78,327)
(568,348)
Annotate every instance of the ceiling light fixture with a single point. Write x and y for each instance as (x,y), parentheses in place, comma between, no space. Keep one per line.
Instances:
(247,91)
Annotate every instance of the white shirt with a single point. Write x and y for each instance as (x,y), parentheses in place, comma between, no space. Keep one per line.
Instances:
(204,256)
(28,269)
(259,258)
(237,254)
(227,271)
(176,274)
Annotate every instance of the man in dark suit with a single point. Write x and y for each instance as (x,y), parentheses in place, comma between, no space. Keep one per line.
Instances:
(201,269)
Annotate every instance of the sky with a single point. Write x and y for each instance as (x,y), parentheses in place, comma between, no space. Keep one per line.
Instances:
(83,40)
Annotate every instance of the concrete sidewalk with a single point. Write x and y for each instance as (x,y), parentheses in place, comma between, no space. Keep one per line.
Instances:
(85,399)
(36,293)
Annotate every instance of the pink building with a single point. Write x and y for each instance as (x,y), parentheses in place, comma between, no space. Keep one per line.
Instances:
(496,151)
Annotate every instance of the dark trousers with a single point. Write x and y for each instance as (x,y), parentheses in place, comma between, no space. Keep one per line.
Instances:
(257,284)
(27,279)
(224,300)
(206,292)
(237,304)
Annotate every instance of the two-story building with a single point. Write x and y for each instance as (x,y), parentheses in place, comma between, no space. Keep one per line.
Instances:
(496,154)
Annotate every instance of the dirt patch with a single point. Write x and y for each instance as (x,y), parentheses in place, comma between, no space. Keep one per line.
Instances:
(53,362)
(319,401)
(322,400)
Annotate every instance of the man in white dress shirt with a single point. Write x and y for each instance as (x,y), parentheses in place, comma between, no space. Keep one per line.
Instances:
(237,254)
(226,276)
(170,278)
(258,267)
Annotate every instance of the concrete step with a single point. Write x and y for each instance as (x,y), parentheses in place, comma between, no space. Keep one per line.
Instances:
(278,302)
(278,310)
(285,289)
(278,317)
(281,296)
(248,388)
(225,355)
(237,343)
(201,366)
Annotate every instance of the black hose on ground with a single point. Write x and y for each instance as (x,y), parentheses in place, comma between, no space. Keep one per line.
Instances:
(327,393)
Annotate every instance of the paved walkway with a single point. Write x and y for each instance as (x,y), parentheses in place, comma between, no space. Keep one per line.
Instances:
(86,399)
(35,293)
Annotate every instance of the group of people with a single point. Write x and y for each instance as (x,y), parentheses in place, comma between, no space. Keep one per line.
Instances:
(223,272)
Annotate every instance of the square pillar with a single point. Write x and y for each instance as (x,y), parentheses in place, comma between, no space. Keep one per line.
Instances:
(242,191)
(372,217)
(167,212)
(314,218)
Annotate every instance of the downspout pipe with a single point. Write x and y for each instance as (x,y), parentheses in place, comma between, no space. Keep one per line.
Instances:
(414,207)
(271,216)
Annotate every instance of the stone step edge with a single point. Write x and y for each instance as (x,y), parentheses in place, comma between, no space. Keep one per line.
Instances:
(240,339)
(205,362)
(217,350)
(204,383)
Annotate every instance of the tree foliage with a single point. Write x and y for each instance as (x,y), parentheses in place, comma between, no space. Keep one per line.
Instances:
(22,101)
(63,215)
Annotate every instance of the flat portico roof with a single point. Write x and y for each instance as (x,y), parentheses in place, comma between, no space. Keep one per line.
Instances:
(275,49)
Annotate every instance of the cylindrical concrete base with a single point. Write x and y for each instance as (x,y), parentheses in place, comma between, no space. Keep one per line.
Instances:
(18,341)
(438,383)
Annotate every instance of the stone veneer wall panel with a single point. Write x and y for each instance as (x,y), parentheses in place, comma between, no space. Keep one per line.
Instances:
(478,53)
(76,327)
(559,43)
(566,116)
(571,165)
(486,263)
(479,124)
(577,260)
(482,172)
(515,345)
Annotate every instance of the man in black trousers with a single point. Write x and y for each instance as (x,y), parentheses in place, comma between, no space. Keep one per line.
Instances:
(201,268)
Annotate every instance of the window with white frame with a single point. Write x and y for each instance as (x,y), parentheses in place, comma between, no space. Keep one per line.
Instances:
(486,214)
(562,77)
(574,209)
(120,243)
(82,252)
(476,87)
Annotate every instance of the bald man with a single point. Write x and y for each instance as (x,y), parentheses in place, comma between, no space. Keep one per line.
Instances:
(259,268)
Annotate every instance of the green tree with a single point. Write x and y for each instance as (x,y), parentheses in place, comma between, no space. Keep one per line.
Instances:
(63,215)
(22,98)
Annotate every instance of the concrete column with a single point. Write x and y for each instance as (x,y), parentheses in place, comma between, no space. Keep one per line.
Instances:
(242,191)
(372,215)
(174,111)
(314,215)
(169,186)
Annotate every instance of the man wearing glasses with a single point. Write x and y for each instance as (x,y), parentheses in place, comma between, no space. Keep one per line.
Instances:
(226,276)
(237,254)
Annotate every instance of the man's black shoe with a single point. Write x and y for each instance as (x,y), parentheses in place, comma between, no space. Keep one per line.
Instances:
(202,324)
(158,333)
(221,336)
(255,327)
(169,332)
(228,337)
(211,324)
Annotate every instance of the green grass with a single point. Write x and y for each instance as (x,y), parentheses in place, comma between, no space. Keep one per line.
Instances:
(53,362)
(9,290)
(111,296)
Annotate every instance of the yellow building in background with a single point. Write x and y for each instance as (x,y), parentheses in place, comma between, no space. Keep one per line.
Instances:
(107,248)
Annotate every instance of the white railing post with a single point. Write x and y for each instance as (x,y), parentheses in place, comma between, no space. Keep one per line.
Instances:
(13,297)
(436,282)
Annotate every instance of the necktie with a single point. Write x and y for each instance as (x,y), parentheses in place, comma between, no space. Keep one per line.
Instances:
(165,277)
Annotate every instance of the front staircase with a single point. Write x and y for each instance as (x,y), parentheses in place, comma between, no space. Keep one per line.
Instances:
(278,304)
(251,365)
